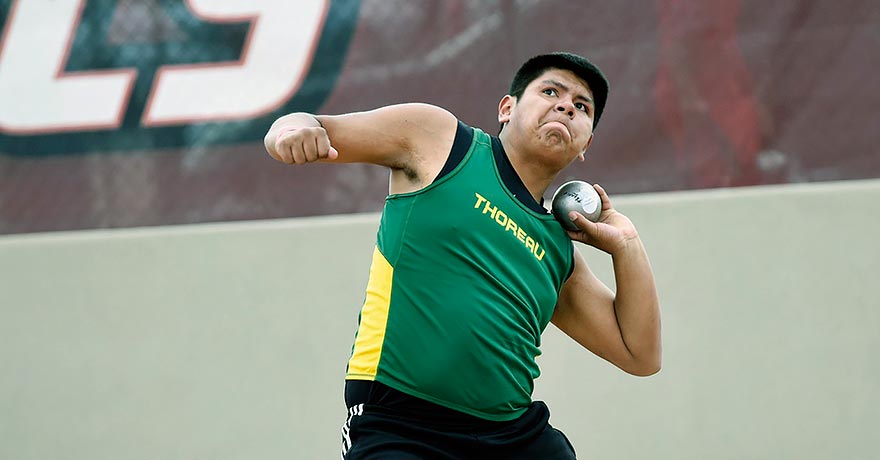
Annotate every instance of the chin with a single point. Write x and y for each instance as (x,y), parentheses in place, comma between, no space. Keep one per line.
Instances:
(552,138)
(555,144)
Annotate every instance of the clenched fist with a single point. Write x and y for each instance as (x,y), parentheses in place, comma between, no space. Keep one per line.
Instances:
(301,145)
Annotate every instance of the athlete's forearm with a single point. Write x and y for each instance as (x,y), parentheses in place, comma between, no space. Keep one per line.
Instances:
(637,306)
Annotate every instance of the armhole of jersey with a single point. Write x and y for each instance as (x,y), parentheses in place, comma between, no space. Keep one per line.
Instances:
(464,135)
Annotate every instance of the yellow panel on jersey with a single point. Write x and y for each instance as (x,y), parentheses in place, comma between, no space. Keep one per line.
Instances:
(364,361)
(477,275)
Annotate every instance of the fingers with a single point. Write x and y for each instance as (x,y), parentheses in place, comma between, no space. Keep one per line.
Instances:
(304,145)
(332,154)
(273,152)
(582,223)
(283,150)
(297,149)
(606,202)
(597,234)
(585,231)
(310,149)
(325,150)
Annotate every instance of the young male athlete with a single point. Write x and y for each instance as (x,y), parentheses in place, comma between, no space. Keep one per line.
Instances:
(469,268)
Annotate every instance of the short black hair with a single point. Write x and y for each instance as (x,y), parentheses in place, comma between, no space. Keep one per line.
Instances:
(581,66)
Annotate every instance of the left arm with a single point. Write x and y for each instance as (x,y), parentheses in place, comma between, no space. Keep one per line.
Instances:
(622,328)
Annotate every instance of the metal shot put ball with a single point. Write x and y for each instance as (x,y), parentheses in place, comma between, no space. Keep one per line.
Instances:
(577,196)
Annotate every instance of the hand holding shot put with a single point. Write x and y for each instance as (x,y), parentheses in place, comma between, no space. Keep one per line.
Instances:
(585,211)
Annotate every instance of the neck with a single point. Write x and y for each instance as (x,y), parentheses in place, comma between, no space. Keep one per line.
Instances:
(534,175)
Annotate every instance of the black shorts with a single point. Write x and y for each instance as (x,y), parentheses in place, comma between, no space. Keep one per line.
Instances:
(386,424)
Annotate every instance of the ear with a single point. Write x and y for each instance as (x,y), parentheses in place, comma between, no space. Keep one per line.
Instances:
(583,153)
(505,108)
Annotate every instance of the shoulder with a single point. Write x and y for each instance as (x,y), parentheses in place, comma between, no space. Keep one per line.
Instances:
(401,136)
(419,120)
(432,128)
(423,110)
(432,135)
(411,129)
(404,123)
(421,137)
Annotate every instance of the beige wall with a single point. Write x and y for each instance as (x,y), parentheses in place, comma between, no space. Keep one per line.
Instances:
(229,341)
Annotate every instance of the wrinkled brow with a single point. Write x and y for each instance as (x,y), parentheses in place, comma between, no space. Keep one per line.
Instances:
(567,89)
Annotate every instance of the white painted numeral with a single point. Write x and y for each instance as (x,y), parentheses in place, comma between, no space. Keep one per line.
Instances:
(36,95)
(275,59)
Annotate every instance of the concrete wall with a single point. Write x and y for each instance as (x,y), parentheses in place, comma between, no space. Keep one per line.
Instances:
(229,341)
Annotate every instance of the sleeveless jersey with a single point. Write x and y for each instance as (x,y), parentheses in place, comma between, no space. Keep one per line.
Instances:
(464,279)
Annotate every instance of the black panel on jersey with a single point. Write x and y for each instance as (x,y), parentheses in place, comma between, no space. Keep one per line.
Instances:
(512,180)
(464,135)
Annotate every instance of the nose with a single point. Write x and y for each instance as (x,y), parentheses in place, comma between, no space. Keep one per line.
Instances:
(565,106)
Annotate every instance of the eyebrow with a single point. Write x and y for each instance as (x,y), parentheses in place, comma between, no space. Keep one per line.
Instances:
(566,88)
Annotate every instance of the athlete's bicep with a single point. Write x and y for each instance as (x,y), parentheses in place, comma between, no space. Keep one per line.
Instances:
(585,312)
(397,136)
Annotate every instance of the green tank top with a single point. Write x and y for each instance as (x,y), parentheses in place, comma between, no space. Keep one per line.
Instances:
(463,281)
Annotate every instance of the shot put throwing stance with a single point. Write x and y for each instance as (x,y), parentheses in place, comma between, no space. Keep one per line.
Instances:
(469,268)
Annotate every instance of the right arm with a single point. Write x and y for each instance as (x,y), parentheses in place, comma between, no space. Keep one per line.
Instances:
(412,139)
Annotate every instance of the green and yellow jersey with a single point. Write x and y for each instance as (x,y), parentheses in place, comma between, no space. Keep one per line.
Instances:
(464,279)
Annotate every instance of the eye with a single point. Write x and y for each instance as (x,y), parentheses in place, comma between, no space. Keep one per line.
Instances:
(550,92)
(582,107)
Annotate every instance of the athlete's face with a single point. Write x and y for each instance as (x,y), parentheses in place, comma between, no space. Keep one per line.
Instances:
(555,113)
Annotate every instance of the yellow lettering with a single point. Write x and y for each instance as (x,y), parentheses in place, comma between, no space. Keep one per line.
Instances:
(502,219)
(541,255)
(511,225)
(490,209)
(480,199)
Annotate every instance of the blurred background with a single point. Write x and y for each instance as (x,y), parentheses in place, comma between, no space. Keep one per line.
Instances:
(134,113)
(739,135)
